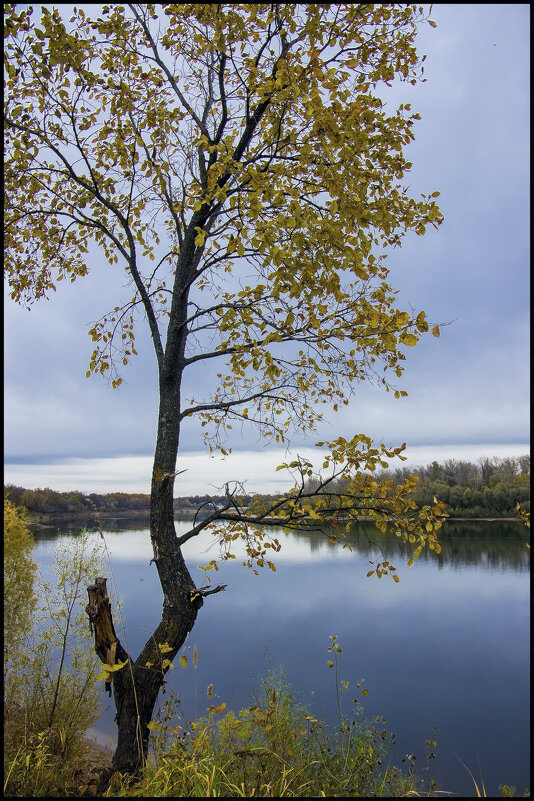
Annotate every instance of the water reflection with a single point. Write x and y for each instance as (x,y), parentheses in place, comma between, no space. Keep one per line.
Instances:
(446,648)
(493,545)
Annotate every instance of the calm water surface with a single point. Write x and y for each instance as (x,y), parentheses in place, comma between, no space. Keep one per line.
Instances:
(443,652)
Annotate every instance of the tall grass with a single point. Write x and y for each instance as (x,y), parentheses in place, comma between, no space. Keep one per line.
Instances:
(273,748)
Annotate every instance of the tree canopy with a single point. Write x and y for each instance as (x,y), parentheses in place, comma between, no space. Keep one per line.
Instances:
(272,148)
(235,153)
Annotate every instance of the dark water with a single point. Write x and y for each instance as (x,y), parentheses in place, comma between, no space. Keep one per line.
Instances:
(443,652)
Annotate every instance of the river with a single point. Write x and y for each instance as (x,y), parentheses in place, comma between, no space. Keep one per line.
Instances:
(444,652)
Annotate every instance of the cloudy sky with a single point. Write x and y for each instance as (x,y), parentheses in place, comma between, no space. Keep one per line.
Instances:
(468,391)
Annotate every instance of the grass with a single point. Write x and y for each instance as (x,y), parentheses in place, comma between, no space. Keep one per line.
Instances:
(39,766)
(272,749)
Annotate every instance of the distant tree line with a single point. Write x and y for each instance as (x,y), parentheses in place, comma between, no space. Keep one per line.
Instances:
(50,502)
(197,501)
(490,487)
(487,488)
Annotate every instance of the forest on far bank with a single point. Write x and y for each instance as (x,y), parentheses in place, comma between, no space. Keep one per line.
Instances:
(490,487)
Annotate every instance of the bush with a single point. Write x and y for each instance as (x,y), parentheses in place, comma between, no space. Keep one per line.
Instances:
(51,693)
(19,575)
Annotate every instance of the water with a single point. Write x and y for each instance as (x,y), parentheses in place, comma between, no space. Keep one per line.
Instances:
(445,652)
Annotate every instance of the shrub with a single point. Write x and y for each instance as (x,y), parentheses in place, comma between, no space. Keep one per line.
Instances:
(51,693)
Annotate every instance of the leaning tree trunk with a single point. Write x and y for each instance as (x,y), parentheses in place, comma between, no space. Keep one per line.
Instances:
(136,685)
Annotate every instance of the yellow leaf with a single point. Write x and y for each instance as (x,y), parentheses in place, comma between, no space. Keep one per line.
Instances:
(217,709)
(435,331)
(200,237)
(420,322)
(408,339)
(112,668)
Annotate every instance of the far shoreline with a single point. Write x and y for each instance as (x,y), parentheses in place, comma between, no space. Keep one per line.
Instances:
(41,520)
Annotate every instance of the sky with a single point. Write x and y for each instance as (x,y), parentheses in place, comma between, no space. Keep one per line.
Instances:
(468,391)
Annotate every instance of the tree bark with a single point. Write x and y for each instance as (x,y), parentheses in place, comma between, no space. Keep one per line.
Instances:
(136,685)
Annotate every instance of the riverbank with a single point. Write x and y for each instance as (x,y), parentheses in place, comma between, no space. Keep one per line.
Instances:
(39,520)
(42,520)
(484,519)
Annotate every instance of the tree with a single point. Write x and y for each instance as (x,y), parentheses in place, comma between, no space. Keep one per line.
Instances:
(487,466)
(19,575)
(524,464)
(237,161)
